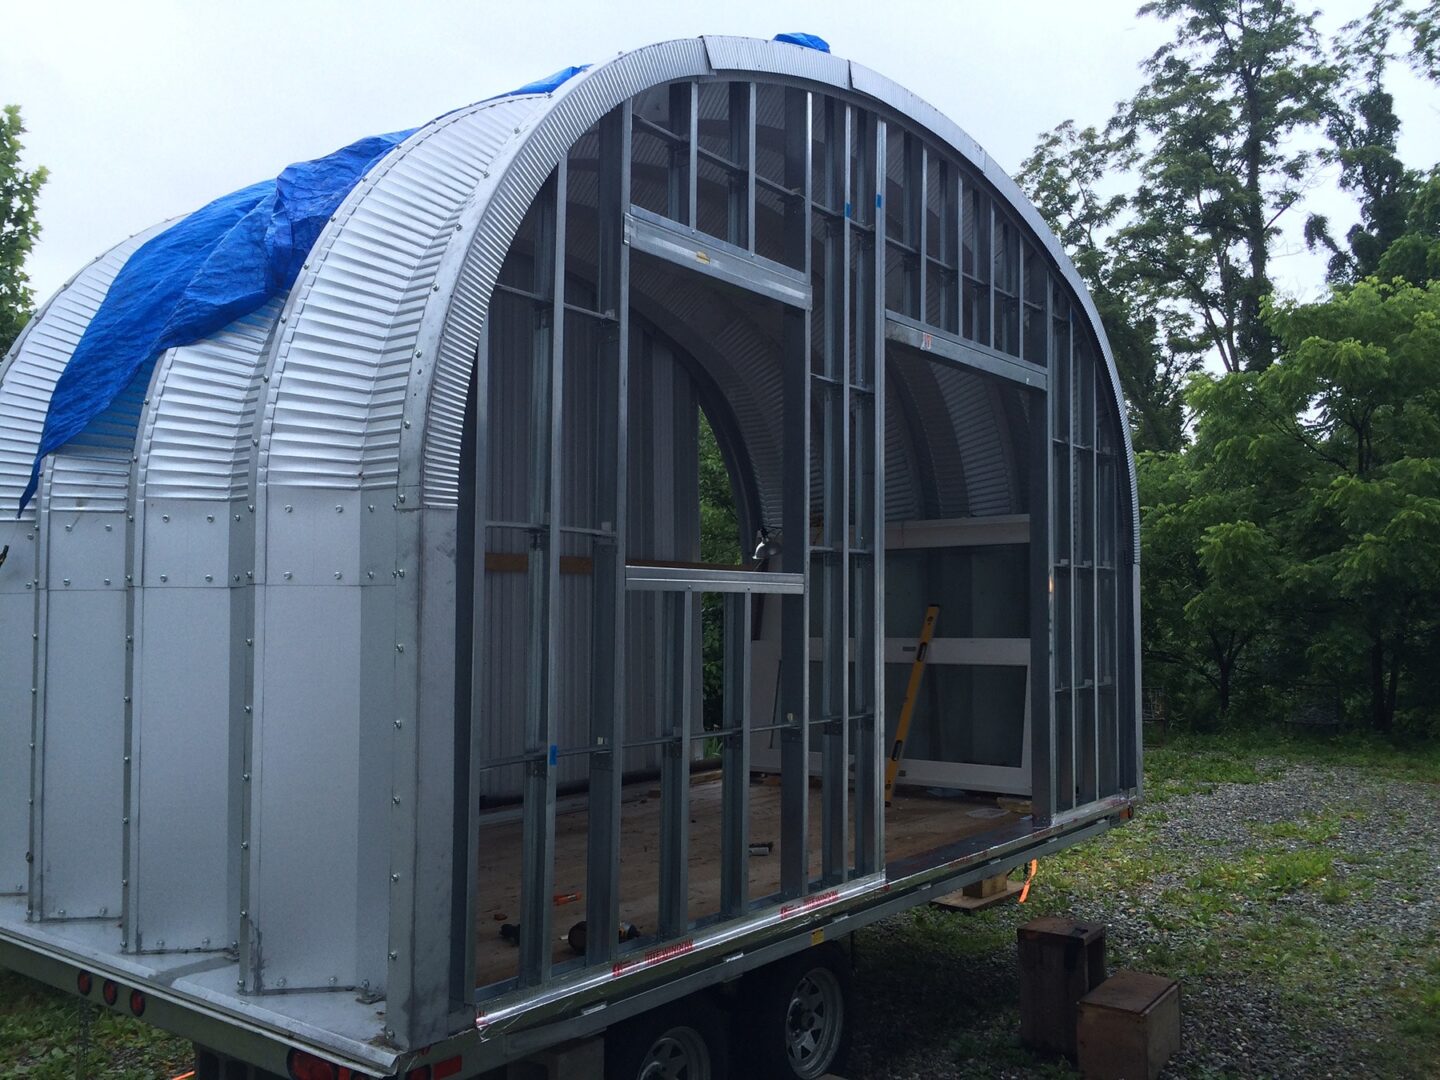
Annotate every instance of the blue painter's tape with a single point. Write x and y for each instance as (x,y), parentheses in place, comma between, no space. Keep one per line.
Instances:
(554,754)
(879,201)
(847,209)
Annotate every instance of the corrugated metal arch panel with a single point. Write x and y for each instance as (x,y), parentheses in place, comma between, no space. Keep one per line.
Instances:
(744,54)
(35,361)
(196,444)
(435,408)
(971,401)
(339,370)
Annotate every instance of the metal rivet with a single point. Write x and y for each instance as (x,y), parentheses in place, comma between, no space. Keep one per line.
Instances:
(164,577)
(288,575)
(395,799)
(399,724)
(337,575)
(210,518)
(208,577)
(339,509)
(67,581)
(69,527)
(288,508)
(399,647)
(394,877)
(279,982)
(164,517)
(393,956)
(107,581)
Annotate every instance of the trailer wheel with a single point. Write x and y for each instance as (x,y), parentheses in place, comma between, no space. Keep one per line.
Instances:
(798,1015)
(682,1041)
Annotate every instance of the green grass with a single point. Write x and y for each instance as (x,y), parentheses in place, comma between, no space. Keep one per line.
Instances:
(1251,912)
(47,1035)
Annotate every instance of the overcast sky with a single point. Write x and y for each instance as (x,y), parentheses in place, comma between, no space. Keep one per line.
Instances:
(149,108)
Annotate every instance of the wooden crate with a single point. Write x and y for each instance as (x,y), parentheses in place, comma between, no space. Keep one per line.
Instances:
(1061,960)
(1128,1027)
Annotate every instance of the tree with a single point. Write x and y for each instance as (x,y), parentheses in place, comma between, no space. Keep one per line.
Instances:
(1363,130)
(1215,138)
(19,227)
(1062,177)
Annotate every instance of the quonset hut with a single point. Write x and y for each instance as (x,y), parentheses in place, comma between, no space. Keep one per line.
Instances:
(378,610)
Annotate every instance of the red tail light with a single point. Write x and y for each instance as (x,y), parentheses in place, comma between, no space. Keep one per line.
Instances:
(110,992)
(422,1073)
(137,1003)
(305,1066)
(448,1067)
(84,983)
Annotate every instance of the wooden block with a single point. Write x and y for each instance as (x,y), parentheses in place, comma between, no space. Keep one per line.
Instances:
(986,886)
(1128,1027)
(1061,960)
(963,902)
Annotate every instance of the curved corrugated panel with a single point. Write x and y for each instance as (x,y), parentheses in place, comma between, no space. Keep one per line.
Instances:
(197,443)
(340,369)
(451,334)
(36,360)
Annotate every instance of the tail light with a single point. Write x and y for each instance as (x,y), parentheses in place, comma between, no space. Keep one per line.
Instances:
(137,1003)
(110,992)
(305,1066)
(84,983)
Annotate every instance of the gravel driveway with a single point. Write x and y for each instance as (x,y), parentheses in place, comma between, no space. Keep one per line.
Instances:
(1298,912)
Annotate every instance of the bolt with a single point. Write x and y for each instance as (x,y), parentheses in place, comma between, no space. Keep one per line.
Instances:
(337,575)
(208,577)
(394,877)
(395,799)
(164,577)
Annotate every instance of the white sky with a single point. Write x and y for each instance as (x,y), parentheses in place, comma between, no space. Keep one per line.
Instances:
(149,108)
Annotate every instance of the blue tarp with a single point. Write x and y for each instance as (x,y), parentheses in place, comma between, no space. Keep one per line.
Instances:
(806,41)
(218,264)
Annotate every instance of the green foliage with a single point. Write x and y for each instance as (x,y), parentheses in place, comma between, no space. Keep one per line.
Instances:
(720,544)
(1297,543)
(19,227)
(1214,138)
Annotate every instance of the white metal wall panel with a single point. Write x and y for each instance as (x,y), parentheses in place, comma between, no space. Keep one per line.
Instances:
(306,786)
(180,843)
(17,676)
(80,730)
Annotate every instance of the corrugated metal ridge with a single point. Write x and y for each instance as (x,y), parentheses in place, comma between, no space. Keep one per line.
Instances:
(339,370)
(37,358)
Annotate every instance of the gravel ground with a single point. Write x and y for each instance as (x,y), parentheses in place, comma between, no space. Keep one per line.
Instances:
(1288,981)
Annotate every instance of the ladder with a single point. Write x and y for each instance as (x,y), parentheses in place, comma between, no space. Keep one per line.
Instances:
(907,710)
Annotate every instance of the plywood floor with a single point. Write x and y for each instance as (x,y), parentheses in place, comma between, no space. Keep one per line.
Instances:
(914,823)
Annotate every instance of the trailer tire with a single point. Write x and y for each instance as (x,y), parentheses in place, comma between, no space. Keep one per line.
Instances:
(796,1014)
(686,1040)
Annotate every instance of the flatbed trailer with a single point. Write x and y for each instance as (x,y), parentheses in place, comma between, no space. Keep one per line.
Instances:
(370,707)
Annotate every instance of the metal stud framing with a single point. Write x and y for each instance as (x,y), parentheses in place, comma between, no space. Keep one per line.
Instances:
(918,247)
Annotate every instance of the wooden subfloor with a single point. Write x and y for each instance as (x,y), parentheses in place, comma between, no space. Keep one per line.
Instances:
(914,823)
